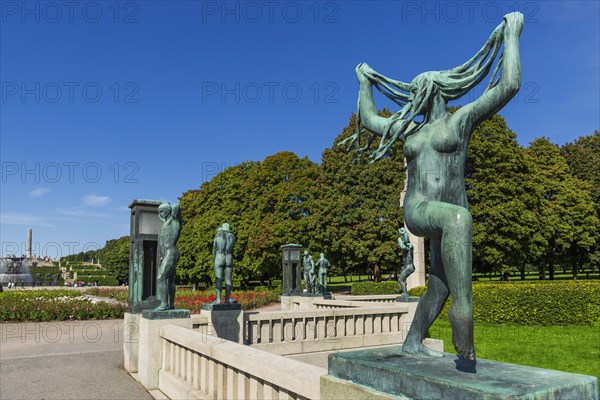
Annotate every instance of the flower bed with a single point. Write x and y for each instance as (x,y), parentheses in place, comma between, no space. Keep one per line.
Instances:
(63,305)
(248,299)
(54,305)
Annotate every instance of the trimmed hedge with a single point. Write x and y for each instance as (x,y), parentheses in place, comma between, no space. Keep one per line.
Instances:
(367,288)
(90,272)
(51,271)
(533,303)
(526,303)
(102,281)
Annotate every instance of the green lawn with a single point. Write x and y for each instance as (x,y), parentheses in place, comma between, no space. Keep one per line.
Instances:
(570,348)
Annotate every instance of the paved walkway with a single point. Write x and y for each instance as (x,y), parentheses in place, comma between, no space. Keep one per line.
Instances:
(68,360)
(65,360)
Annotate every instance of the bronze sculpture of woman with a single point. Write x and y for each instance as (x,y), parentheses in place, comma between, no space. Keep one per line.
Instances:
(435,204)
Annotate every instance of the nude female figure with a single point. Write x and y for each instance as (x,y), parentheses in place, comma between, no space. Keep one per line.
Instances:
(435,204)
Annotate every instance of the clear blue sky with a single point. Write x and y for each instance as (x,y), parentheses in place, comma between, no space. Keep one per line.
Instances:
(103,102)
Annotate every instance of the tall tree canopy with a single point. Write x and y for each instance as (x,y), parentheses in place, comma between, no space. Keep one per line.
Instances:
(532,208)
(527,208)
(357,209)
(568,223)
(502,199)
(583,157)
(266,204)
(114,256)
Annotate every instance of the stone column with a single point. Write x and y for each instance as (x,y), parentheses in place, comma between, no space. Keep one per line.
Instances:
(131,339)
(29,240)
(417,278)
(149,352)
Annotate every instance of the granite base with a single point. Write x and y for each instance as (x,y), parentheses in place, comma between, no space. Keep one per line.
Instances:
(166,314)
(386,370)
(225,320)
(138,306)
(221,306)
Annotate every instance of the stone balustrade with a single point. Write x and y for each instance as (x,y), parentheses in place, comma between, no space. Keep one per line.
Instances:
(327,304)
(199,366)
(320,304)
(199,322)
(296,332)
(378,298)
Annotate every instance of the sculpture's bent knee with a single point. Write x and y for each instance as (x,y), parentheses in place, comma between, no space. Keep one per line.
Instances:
(461,221)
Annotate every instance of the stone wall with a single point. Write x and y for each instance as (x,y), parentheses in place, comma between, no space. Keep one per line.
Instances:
(198,366)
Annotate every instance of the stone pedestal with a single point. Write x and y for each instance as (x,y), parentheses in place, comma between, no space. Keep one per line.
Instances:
(131,342)
(150,348)
(225,320)
(385,373)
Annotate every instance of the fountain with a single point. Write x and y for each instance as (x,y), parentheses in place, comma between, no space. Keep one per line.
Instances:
(14,269)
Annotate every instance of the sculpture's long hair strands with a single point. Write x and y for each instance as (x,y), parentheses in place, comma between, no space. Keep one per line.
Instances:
(453,84)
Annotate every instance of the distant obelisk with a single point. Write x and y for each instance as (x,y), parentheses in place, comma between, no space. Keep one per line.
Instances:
(29,240)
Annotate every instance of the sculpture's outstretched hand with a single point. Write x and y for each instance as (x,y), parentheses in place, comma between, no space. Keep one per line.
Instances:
(366,75)
(354,142)
(362,73)
(515,22)
(352,139)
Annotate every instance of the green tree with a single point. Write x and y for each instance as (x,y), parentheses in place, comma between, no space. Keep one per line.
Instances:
(114,256)
(266,205)
(227,197)
(583,157)
(357,208)
(502,199)
(566,212)
(282,205)
(88,256)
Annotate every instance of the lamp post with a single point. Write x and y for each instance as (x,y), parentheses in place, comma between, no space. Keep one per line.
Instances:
(143,254)
(292,275)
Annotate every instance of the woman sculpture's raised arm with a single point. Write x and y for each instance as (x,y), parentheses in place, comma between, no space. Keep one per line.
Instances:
(504,89)
(416,98)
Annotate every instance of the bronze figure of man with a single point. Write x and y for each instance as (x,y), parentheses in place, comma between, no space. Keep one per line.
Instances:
(222,255)
(168,255)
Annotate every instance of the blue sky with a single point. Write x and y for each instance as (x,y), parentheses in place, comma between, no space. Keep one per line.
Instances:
(102,102)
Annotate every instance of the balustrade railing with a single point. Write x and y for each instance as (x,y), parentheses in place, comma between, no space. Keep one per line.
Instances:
(294,332)
(199,366)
